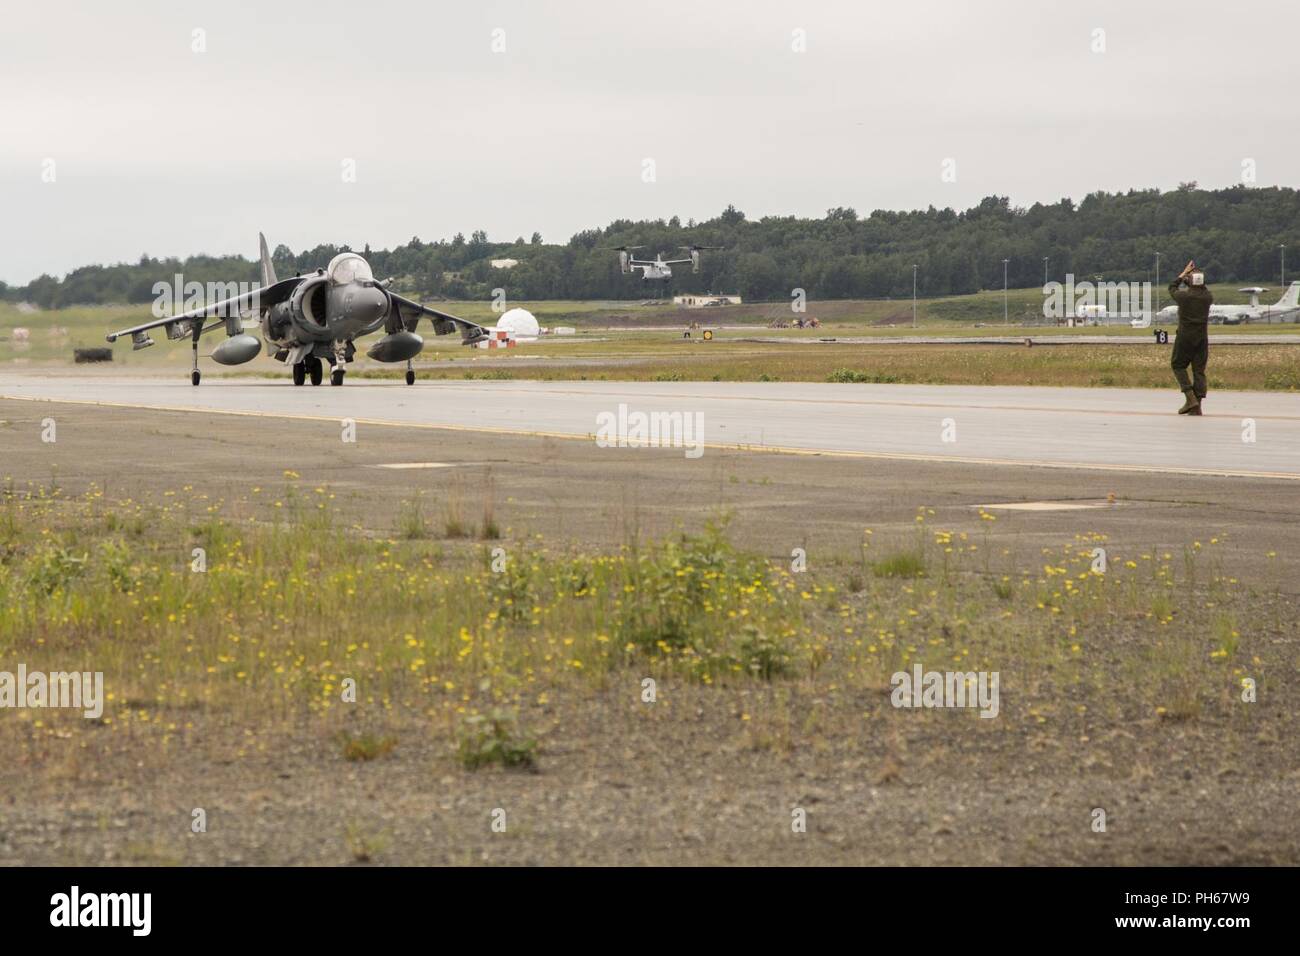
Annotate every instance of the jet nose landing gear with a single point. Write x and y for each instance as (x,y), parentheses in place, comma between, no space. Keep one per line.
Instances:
(340,362)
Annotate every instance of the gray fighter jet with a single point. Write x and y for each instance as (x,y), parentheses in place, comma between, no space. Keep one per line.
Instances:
(311,319)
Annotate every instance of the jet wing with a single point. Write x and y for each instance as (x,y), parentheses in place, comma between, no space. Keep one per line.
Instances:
(444,323)
(185,323)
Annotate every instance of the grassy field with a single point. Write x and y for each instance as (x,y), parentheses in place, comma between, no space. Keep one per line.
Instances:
(628,341)
(290,605)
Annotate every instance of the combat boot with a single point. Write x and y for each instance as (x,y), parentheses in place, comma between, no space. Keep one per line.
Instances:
(1193,404)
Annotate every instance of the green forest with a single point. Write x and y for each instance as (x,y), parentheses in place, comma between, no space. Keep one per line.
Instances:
(1233,233)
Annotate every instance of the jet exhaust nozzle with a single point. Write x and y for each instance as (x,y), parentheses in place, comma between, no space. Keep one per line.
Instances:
(396,347)
(237,350)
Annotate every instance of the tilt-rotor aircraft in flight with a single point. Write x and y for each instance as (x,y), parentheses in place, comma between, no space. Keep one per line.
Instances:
(658,267)
(311,319)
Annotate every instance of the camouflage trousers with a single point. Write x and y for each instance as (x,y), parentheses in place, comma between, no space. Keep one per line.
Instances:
(1191,348)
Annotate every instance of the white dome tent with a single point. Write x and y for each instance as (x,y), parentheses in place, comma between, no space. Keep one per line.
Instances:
(520,324)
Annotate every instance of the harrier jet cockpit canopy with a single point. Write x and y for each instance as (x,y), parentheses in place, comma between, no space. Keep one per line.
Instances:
(349,267)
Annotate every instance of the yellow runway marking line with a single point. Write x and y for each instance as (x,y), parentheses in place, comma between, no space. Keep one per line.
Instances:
(1045,506)
(404,465)
(300,416)
(717,446)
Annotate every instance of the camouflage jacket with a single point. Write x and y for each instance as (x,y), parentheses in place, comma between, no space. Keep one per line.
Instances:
(1194,302)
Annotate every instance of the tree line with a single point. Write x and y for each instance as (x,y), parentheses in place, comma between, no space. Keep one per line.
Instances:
(1233,233)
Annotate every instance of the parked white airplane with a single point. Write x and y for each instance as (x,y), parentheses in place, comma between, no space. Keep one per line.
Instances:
(1236,314)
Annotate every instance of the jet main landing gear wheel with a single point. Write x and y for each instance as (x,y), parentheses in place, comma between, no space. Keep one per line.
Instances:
(299,373)
(316,369)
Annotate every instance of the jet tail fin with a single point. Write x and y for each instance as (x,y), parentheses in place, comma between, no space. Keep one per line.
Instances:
(268,270)
(1290,298)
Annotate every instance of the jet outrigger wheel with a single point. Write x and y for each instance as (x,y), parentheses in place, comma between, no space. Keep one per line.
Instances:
(410,373)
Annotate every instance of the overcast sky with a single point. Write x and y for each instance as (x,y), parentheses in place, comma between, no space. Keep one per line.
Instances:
(162,150)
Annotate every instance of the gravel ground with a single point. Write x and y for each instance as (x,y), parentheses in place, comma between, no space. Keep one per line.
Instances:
(703,775)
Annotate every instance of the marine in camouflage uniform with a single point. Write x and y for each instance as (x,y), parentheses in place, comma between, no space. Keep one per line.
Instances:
(1192,345)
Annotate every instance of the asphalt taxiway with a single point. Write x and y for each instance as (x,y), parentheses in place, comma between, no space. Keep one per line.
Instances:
(1242,434)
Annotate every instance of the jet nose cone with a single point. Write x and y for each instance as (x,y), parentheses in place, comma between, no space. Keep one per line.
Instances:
(366,304)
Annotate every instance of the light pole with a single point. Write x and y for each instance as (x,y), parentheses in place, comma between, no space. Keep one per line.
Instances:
(1283,248)
(913,295)
(1044,271)
(1005,319)
(1157,308)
